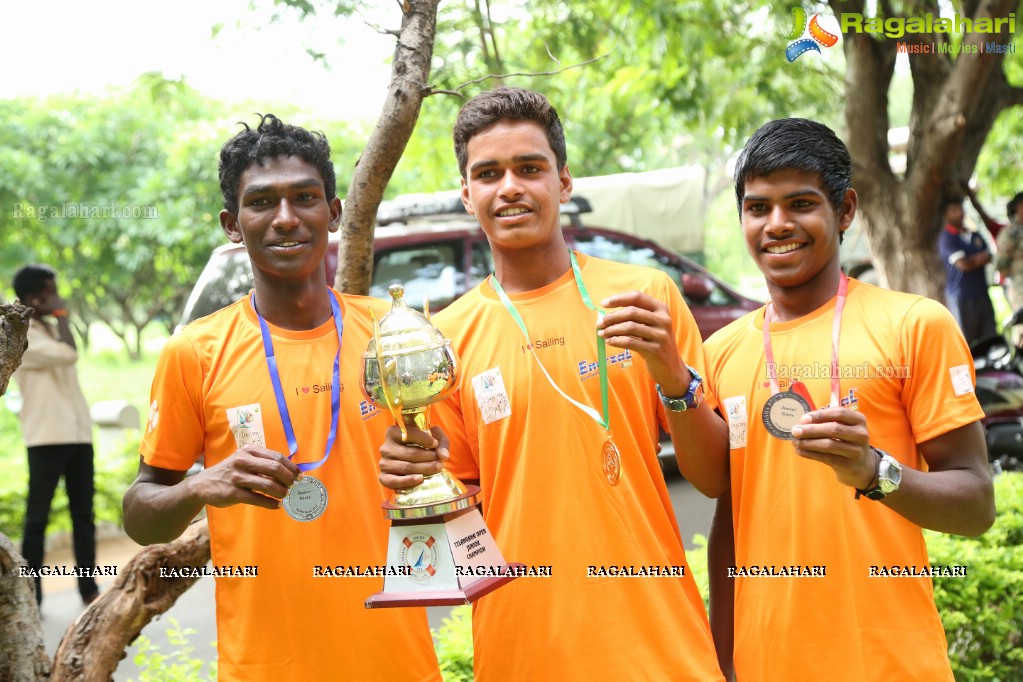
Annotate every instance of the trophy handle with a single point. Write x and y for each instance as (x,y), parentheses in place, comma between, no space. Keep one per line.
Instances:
(388,371)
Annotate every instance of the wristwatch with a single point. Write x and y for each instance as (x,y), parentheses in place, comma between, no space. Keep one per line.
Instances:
(692,398)
(889,475)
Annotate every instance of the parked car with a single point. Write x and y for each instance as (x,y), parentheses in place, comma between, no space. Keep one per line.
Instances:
(436,249)
(444,253)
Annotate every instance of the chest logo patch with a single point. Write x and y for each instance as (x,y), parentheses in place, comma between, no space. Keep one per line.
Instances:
(246,423)
(491,395)
(735,411)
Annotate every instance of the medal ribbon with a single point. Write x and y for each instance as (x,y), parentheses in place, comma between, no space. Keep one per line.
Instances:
(604,420)
(836,332)
(282,405)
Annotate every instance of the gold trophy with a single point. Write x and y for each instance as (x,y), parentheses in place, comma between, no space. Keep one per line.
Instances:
(439,551)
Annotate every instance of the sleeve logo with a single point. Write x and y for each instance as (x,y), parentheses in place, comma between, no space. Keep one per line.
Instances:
(961,381)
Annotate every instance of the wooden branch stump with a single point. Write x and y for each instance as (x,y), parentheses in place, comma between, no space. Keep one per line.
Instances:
(94,644)
(22,651)
(14,319)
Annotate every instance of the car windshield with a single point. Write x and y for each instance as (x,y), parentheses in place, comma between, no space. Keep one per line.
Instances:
(225,279)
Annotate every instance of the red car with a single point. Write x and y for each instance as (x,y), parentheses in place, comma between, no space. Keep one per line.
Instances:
(445,253)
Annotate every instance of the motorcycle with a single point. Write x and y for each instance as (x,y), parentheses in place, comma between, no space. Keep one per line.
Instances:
(998,361)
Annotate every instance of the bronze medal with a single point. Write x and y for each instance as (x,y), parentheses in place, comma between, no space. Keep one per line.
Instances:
(612,462)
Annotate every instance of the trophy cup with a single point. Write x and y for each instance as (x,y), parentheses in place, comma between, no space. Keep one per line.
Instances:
(439,550)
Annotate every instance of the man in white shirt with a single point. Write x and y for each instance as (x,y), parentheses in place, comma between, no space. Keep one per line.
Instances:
(56,426)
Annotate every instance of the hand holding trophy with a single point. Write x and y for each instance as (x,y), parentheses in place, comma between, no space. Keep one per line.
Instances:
(439,544)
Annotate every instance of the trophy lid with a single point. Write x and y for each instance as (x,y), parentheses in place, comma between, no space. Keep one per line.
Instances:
(404,330)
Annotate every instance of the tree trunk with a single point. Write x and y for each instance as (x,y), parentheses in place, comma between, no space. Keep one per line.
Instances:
(410,76)
(14,319)
(94,644)
(955,104)
(22,652)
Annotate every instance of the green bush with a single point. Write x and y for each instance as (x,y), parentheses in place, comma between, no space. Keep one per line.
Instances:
(177,666)
(983,612)
(453,641)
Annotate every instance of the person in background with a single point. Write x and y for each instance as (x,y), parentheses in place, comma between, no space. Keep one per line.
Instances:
(1009,257)
(965,255)
(56,425)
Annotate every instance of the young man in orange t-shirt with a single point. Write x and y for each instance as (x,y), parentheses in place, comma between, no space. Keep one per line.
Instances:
(267,390)
(552,495)
(852,424)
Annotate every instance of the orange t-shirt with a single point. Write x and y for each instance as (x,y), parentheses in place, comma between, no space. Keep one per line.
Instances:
(286,624)
(905,366)
(546,499)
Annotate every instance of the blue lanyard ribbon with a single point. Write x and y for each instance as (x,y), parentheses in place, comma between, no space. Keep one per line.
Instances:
(282,405)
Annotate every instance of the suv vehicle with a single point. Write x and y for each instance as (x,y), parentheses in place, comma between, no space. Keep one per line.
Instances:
(436,249)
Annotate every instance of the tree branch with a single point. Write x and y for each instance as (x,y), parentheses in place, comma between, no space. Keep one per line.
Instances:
(501,76)
(14,319)
(22,651)
(409,70)
(959,112)
(94,644)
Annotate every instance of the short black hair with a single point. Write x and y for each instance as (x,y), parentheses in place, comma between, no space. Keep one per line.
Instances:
(799,143)
(32,279)
(505,103)
(1013,205)
(950,200)
(270,139)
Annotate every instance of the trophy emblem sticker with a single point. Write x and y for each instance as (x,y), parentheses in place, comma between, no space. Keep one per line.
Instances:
(419,553)
(306,500)
(782,411)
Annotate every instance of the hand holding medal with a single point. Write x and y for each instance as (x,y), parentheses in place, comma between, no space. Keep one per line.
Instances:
(252,475)
(834,435)
(838,437)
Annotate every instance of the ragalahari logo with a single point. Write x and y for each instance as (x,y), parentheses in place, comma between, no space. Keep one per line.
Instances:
(818,36)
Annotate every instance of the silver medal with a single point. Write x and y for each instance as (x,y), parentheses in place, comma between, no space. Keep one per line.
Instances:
(782,411)
(306,500)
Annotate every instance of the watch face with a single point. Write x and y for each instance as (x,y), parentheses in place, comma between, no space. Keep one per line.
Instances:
(698,395)
(889,474)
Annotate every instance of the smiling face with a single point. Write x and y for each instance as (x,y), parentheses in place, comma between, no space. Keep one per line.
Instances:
(792,231)
(514,187)
(283,219)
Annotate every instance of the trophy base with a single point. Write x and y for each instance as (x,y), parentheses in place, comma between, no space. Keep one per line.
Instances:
(444,560)
(483,586)
(467,500)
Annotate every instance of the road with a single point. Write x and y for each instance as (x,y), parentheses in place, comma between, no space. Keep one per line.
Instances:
(194,610)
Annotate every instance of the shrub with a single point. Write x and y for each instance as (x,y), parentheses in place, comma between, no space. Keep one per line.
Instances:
(983,612)
(453,641)
(177,666)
